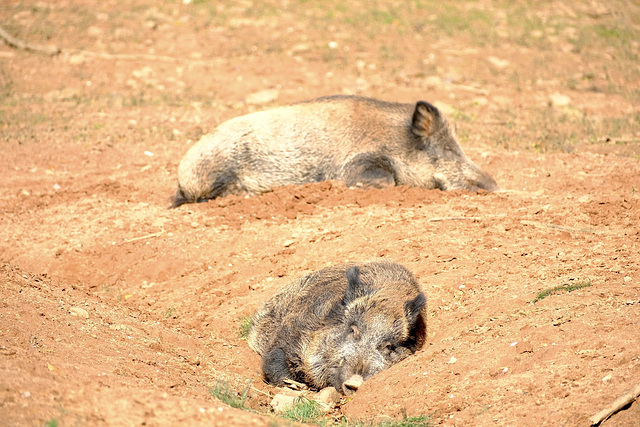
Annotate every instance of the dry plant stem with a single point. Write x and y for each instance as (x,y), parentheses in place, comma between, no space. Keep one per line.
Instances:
(562,227)
(455,218)
(148,236)
(19,44)
(618,404)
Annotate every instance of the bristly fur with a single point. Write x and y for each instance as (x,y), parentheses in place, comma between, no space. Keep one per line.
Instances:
(341,321)
(362,141)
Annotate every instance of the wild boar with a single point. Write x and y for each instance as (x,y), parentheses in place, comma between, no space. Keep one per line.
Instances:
(340,325)
(361,141)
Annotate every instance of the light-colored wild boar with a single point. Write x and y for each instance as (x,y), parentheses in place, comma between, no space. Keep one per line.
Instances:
(361,141)
(340,325)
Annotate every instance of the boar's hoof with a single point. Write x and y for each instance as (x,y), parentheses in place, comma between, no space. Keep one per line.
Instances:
(352,385)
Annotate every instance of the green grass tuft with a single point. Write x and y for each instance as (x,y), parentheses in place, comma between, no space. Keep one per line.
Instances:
(223,392)
(245,325)
(558,289)
(305,411)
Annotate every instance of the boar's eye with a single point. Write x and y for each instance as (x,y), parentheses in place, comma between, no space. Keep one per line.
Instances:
(388,348)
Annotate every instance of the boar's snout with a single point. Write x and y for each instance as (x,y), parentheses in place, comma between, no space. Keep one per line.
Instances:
(352,385)
(483,182)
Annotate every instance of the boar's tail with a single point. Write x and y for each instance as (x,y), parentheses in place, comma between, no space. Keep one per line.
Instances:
(178,199)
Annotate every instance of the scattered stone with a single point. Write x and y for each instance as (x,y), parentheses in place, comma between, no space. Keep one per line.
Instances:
(285,399)
(262,97)
(78,311)
(627,279)
(300,47)
(328,396)
(452,360)
(584,199)
(77,59)
(559,100)
(94,31)
(498,63)
(288,243)
(143,73)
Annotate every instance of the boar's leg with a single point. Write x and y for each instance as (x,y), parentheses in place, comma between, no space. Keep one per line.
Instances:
(274,366)
(370,170)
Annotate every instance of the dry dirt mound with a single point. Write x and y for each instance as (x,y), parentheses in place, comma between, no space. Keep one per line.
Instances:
(115,310)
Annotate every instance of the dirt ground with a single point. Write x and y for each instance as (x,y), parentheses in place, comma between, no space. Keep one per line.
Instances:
(115,310)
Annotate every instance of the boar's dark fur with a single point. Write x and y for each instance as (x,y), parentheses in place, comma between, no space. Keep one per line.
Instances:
(340,325)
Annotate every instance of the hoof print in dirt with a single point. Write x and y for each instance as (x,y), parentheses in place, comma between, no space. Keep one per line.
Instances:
(340,325)
(361,141)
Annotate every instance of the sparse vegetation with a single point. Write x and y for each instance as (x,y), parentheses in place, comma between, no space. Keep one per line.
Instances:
(245,324)
(170,312)
(221,390)
(416,421)
(567,287)
(305,411)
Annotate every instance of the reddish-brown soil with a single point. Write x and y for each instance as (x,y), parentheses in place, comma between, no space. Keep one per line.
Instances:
(89,152)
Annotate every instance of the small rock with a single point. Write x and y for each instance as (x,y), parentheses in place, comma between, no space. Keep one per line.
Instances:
(262,97)
(607,377)
(328,396)
(559,100)
(288,243)
(498,63)
(452,360)
(77,59)
(627,279)
(584,199)
(94,31)
(285,399)
(300,47)
(77,311)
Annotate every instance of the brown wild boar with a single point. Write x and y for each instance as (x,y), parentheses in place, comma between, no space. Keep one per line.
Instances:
(340,325)
(361,141)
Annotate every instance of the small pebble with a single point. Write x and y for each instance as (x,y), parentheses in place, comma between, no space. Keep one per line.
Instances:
(77,311)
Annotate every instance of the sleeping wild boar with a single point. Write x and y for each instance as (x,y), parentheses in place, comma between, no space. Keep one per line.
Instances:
(340,325)
(361,141)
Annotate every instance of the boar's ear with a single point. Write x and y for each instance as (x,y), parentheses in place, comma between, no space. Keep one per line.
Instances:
(412,307)
(354,286)
(426,120)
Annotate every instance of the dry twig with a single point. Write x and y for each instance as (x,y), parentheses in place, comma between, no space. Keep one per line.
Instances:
(455,218)
(562,227)
(148,236)
(20,44)
(618,404)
